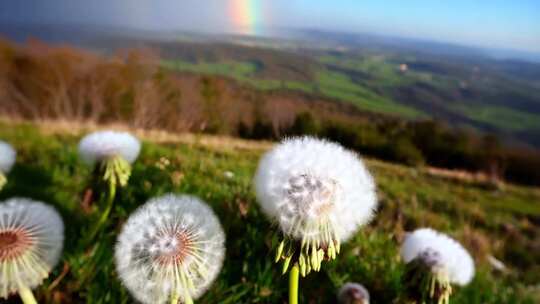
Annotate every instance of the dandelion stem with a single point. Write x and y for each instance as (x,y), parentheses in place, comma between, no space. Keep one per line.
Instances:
(294,277)
(105,214)
(175,297)
(26,295)
(3,180)
(188,300)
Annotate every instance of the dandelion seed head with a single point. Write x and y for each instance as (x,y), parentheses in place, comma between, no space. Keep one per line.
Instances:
(172,244)
(102,145)
(228,174)
(7,157)
(353,293)
(439,251)
(306,183)
(31,239)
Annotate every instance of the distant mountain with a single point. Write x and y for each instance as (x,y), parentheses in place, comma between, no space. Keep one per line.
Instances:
(372,41)
(89,35)
(514,55)
(367,40)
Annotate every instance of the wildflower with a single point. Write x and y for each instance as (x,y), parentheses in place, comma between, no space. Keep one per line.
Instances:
(7,159)
(163,163)
(319,193)
(112,153)
(353,293)
(434,262)
(31,238)
(170,249)
(228,174)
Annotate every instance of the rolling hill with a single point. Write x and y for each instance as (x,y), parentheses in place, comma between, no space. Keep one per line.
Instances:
(463,86)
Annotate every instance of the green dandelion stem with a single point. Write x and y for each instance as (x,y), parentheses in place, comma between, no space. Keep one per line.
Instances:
(26,295)
(188,300)
(294,278)
(3,180)
(175,297)
(105,214)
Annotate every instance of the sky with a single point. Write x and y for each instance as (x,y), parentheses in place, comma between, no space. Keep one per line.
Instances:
(509,24)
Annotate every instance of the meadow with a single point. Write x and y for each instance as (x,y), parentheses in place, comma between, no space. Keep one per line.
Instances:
(501,222)
(373,81)
(327,83)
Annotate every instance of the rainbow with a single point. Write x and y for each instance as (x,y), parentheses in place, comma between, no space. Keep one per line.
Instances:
(246,15)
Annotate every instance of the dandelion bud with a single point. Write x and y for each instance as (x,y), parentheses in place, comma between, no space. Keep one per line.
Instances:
(319,194)
(112,153)
(7,159)
(31,238)
(434,262)
(353,293)
(170,249)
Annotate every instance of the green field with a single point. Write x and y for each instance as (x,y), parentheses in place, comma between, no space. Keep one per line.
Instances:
(502,117)
(384,74)
(326,83)
(375,89)
(244,72)
(504,223)
(340,86)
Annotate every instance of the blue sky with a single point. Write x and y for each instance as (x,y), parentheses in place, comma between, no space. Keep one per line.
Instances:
(513,24)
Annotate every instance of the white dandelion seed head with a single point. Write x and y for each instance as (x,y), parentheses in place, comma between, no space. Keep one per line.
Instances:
(353,293)
(305,182)
(31,239)
(7,157)
(437,250)
(173,243)
(98,146)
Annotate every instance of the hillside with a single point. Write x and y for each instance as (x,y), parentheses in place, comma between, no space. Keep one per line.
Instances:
(479,93)
(139,88)
(503,223)
(463,86)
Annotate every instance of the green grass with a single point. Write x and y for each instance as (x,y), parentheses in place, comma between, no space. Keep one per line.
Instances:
(383,72)
(340,86)
(372,93)
(244,72)
(329,84)
(234,69)
(504,223)
(501,117)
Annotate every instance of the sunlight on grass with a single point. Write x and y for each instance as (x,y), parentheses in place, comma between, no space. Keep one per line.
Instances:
(48,169)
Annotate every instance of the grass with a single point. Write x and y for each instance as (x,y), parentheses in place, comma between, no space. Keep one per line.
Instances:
(503,223)
(340,86)
(238,70)
(244,72)
(382,71)
(370,80)
(384,74)
(501,117)
(327,83)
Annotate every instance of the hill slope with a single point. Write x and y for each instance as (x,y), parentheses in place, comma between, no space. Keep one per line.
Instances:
(464,86)
(503,223)
(488,95)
